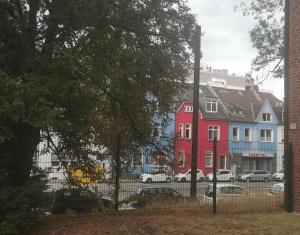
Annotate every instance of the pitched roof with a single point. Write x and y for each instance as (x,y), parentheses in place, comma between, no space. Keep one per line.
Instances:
(205,93)
(245,105)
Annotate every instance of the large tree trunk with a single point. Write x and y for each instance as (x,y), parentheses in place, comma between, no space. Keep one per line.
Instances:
(19,151)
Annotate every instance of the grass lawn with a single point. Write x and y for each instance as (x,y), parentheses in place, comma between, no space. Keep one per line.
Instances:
(176,223)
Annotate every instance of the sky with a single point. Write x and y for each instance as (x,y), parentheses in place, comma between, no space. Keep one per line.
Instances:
(226,43)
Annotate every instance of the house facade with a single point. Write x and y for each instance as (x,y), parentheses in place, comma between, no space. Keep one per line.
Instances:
(212,122)
(253,127)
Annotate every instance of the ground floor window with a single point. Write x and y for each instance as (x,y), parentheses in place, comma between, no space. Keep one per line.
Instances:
(181,159)
(208,159)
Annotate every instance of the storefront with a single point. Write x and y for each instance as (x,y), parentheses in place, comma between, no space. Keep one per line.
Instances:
(245,162)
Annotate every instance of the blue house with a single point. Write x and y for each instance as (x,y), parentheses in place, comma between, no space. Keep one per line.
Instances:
(252,139)
(158,154)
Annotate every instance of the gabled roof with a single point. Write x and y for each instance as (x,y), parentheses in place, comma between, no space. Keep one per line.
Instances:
(205,94)
(248,102)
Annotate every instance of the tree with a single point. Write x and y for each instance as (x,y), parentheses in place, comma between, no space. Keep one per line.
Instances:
(267,36)
(85,71)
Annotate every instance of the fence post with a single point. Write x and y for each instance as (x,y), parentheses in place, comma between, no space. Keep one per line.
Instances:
(288,177)
(215,176)
(117,186)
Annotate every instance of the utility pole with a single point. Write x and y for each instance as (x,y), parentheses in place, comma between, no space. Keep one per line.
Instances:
(195,112)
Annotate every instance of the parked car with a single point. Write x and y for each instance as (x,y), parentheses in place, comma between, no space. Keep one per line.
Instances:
(257,175)
(279,176)
(155,177)
(225,190)
(142,196)
(79,200)
(222,175)
(277,189)
(186,176)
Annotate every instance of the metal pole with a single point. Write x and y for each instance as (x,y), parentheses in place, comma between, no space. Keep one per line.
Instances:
(195,113)
(215,176)
(288,161)
(117,188)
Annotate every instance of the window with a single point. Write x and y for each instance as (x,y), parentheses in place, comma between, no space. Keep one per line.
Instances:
(188,131)
(213,131)
(238,112)
(54,160)
(188,108)
(208,159)
(156,131)
(247,134)
(181,159)
(211,106)
(266,117)
(266,135)
(181,130)
(282,135)
(235,134)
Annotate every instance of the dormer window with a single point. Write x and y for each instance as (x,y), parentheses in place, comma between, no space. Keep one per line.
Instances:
(211,106)
(266,117)
(238,112)
(188,109)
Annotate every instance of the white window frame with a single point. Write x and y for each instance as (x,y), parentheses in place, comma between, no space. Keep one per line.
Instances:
(188,126)
(218,129)
(209,154)
(181,155)
(181,130)
(238,133)
(54,159)
(188,108)
(265,136)
(156,131)
(209,106)
(248,128)
(266,115)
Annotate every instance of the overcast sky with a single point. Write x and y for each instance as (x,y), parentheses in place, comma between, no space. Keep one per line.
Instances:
(226,41)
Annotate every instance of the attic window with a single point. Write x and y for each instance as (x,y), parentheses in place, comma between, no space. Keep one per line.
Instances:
(188,108)
(211,106)
(266,117)
(238,112)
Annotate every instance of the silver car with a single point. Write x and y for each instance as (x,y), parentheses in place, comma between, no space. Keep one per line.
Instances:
(258,175)
(226,190)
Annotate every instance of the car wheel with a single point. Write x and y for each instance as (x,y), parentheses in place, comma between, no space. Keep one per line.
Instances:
(183,180)
(201,179)
(168,180)
(231,179)
(149,180)
(248,180)
(267,179)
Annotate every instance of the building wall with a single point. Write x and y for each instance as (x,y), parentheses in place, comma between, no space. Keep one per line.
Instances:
(204,145)
(293,95)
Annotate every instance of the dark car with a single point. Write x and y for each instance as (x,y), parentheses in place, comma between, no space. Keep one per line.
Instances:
(142,196)
(79,200)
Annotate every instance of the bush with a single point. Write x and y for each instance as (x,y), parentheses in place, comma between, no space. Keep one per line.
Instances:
(21,207)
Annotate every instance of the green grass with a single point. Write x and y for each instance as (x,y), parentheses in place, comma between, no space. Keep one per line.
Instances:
(177,223)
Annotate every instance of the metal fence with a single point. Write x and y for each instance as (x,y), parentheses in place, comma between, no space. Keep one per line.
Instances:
(248,177)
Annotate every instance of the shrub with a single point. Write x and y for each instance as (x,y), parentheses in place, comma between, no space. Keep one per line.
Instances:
(21,207)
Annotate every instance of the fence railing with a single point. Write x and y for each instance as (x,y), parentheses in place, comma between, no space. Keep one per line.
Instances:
(245,179)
